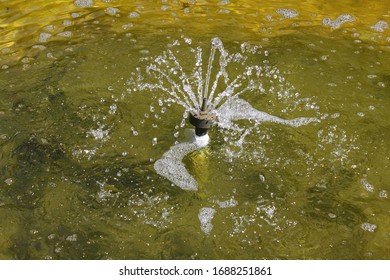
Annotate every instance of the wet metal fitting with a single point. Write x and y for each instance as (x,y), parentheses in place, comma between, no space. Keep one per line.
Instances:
(202,120)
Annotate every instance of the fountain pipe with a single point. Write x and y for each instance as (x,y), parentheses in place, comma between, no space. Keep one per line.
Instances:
(202,120)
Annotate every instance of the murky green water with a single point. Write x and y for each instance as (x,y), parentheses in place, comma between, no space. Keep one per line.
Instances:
(78,143)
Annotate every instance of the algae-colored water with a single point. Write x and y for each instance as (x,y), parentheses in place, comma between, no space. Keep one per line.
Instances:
(78,143)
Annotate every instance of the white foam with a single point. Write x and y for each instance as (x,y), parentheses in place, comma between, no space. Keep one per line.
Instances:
(287,13)
(83,3)
(170,166)
(239,109)
(205,216)
(134,15)
(165,7)
(338,22)
(201,141)
(223,3)
(72,238)
(100,133)
(65,34)
(383,194)
(367,185)
(111,11)
(380,26)
(368,227)
(228,203)
(44,36)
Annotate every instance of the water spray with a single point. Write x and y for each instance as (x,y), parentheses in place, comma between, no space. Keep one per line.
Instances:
(202,120)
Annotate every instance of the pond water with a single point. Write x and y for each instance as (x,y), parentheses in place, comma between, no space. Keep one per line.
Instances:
(93,96)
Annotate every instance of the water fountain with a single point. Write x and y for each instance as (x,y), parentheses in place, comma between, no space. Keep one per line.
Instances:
(202,120)
(127,132)
(217,104)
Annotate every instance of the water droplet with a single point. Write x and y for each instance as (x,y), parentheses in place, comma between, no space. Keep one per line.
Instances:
(65,34)
(228,203)
(367,185)
(223,2)
(9,181)
(84,3)
(127,26)
(262,178)
(331,215)
(134,15)
(380,26)
(44,36)
(51,236)
(111,11)
(67,22)
(287,13)
(360,114)
(165,7)
(381,84)
(325,57)
(205,216)
(368,227)
(135,133)
(72,238)
(338,22)
(383,194)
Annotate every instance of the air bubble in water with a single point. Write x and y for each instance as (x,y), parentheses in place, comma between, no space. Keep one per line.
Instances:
(135,132)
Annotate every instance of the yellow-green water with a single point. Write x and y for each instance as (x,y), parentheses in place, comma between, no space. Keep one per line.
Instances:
(76,182)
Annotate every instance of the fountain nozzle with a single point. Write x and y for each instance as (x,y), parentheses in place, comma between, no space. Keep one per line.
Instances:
(202,120)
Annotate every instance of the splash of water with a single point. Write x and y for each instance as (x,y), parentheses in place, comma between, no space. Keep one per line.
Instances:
(220,86)
(170,165)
